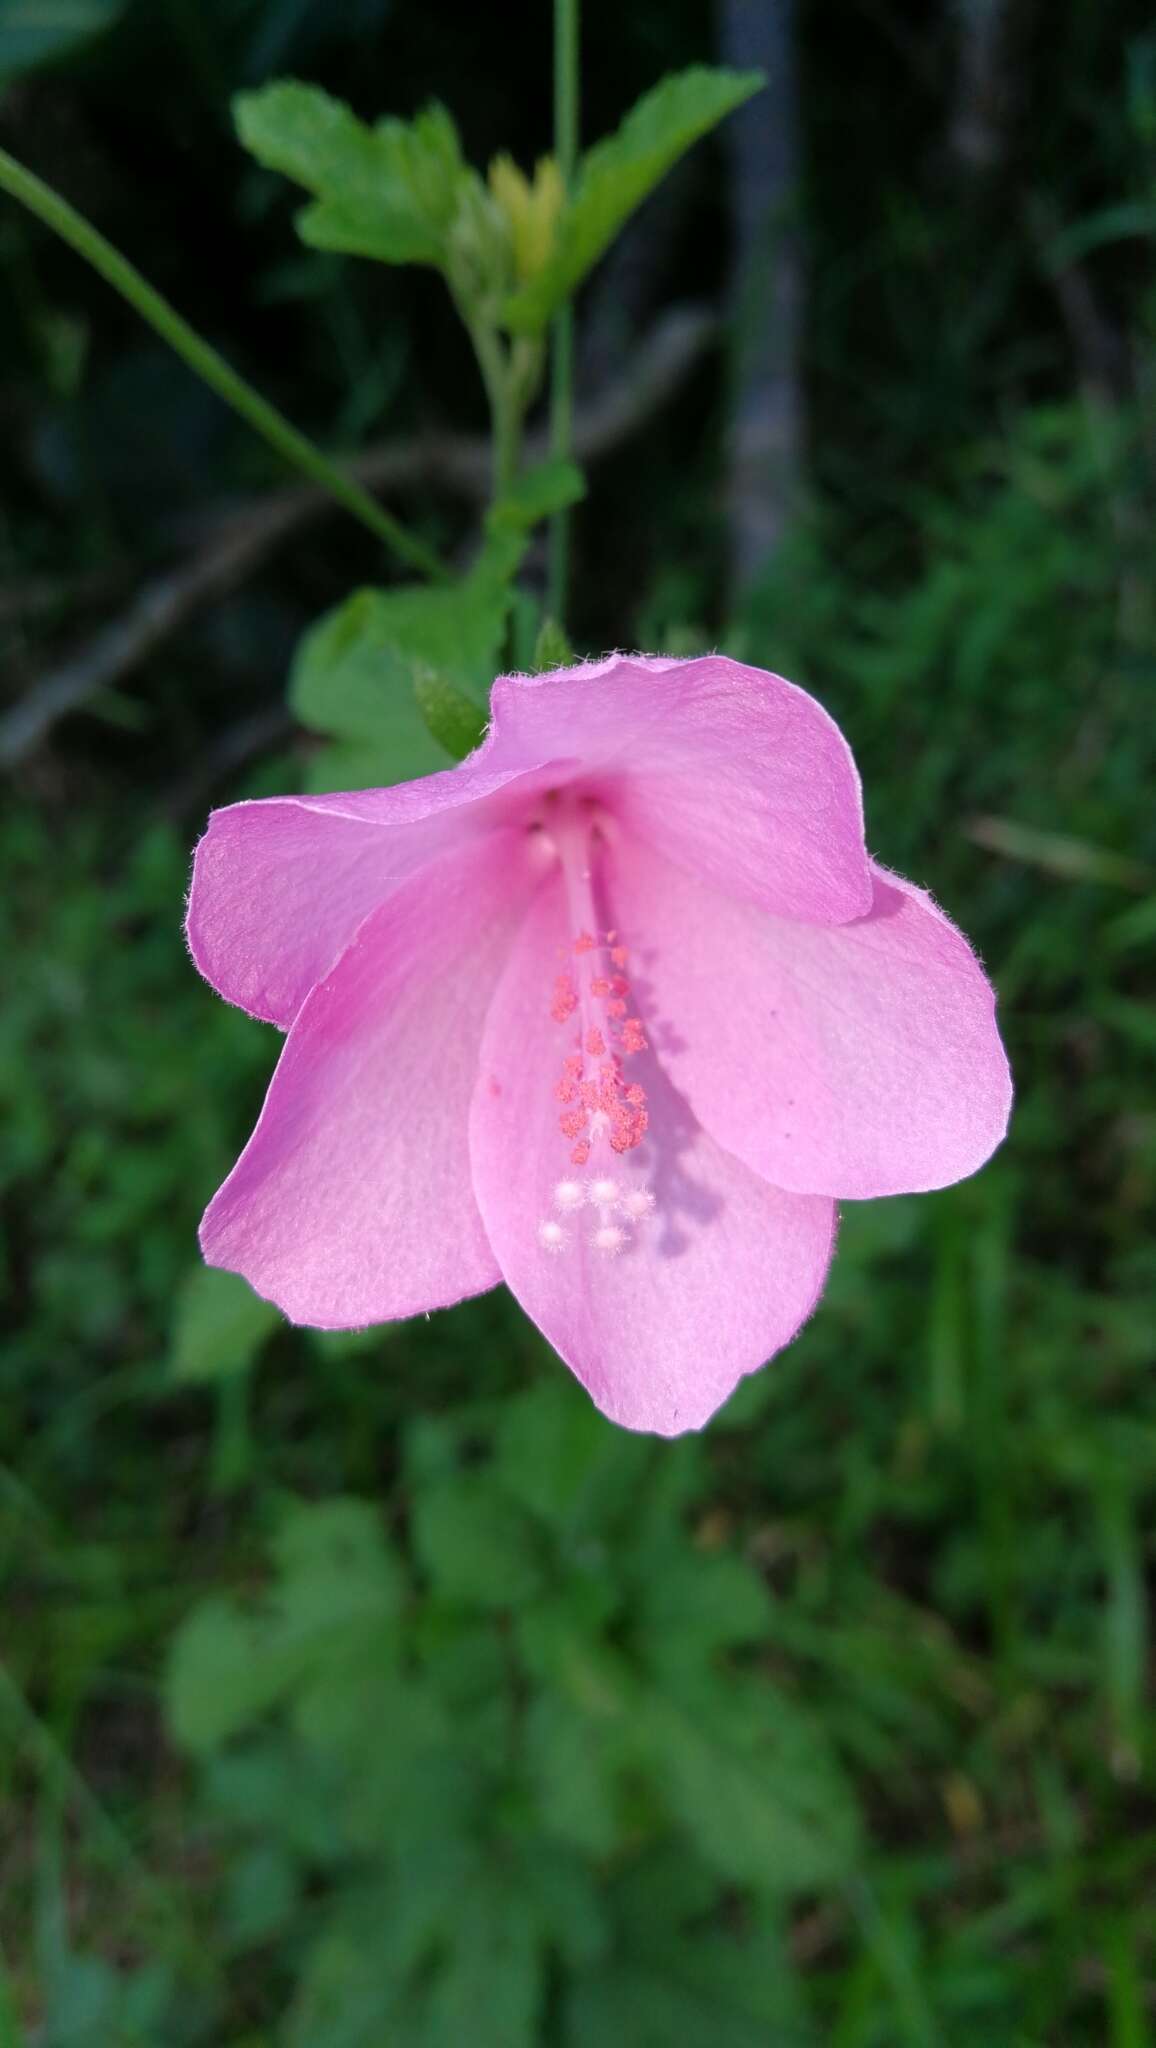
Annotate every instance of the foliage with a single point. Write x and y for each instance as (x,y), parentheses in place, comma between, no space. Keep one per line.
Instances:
(402,192)
(825,1726)
(615,177)
(546,1719)
(372,1687)
(218,1325)
(398,680)
(393,191)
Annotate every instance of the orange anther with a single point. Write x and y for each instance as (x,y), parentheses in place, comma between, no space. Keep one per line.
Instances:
(565,999)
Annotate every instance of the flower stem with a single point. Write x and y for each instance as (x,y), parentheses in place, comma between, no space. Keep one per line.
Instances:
(505,421)
(79,233)
(562,334)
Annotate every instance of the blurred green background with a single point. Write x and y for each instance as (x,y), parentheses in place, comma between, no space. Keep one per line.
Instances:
(374,1690)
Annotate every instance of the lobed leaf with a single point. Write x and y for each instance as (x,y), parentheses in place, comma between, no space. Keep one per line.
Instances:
(219,1326)
(323,1638)
(219,1681)
(561,1459)
(492,1984)
(355,674)
(547,488)
(757,1794)
(477,1548)
(454,720)
(390,192)
(350,682)
(619,173)
(552,648)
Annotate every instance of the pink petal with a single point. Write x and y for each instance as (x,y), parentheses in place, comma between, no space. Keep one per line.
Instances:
(735,773)
(280,885)
(352,1202)
(856,1060)
(720,1277)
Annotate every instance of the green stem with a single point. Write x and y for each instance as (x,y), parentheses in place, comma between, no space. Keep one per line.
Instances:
(124,278)
(506,408)
(562,333)
(507,440)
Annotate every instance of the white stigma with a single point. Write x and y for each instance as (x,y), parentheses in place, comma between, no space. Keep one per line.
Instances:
(569,1195)
(608,1238)
(603,1193)
(543,847)
(638,1203)
(551,1235)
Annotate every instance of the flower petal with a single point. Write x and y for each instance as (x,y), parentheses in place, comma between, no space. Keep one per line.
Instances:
(352,1202)
(729,770)
(720,1276)
(280,885)
(854,1061)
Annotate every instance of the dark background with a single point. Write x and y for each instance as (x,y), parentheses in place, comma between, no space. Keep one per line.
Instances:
(834,1725)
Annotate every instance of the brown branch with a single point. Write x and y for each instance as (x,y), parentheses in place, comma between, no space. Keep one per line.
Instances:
(766,288)
(978,128)
(1104,366)
(20,601)
(157,610)
(244,537)
(232,748)
(1100,351)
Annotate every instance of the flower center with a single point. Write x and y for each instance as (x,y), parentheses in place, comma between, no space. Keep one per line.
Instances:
(601,1107)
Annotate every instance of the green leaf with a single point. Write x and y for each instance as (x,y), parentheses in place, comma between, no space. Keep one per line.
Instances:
(684,1971)
(491,1988)
(34,32)
(619,173)
(699,1605)
(334,1567)
(353,678)
(564,1462)
(335,1620)
(756,1792)
(343,1994)
(220,1677)
(219,1326)
(552,648)
(324,1636)
(390,192)
(455,721)
(261,1895)
(478,1549)
(350,681)
(564,1898)
(547,488)
(245,1788)
(572,1762)
(709,1990)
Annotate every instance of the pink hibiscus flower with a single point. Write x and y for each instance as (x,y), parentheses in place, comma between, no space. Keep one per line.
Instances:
(615,1012)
